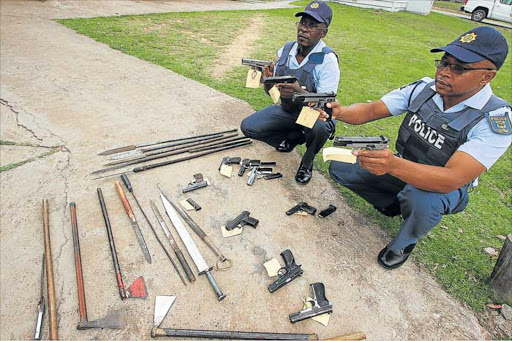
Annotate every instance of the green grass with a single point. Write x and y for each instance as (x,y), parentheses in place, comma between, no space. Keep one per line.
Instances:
(448,5)
(379,51)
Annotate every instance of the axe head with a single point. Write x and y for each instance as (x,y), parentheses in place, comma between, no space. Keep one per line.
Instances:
(113,320)
(138,289)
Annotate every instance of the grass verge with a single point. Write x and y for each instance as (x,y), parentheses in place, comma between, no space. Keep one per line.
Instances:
(378,51)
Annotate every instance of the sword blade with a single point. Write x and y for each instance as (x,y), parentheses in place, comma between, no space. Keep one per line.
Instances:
(191,246)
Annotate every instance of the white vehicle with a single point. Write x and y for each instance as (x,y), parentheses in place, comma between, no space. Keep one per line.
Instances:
(492,9)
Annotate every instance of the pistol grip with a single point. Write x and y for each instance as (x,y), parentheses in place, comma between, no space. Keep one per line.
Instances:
(289,260)
(319,293)
(329,112)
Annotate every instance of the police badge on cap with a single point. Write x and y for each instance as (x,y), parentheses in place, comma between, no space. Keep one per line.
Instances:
(478,44)
(319,11)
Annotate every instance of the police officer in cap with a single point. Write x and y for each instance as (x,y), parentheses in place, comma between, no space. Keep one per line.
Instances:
(454,130)
(315,66)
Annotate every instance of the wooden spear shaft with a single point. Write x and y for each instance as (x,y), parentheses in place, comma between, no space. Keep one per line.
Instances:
(50,283)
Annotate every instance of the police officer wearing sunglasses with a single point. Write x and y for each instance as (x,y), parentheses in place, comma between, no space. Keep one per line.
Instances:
(454,130)
(315,66)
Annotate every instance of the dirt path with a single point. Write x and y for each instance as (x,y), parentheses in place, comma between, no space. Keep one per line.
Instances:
(59,88)
(240,48)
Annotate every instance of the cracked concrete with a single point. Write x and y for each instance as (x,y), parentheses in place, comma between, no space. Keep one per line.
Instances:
(61,88)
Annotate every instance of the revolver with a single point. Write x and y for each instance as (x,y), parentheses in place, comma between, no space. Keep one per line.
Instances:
(320,304)
(288,273)
(241,220)
(358,142)
(319,99)
(301,207)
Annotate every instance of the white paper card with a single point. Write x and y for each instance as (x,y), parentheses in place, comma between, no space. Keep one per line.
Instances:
(275,94)
(186,205)
(272,267)
(253,79)
(338,154)
(234,232)
(307,117)
(226,170)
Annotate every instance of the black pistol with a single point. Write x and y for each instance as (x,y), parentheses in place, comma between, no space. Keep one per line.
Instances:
(198,182)
(271,81)
(358,142)
(242,220)
(302,207)
(288,273)
(320,305)
(319,99)
(228,160)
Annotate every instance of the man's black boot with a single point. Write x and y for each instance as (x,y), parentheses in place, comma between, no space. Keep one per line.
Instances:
(392,259)
(304,174)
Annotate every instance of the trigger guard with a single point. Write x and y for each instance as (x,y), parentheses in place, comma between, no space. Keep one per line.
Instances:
(282,272)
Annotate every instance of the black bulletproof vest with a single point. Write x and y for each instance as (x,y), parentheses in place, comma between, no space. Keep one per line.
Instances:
(429,136)
(304,74)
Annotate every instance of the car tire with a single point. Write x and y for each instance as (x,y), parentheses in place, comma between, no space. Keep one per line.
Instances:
(478,15)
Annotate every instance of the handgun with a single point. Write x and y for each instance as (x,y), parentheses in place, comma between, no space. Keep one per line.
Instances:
(271,81)
(358,142)
(301,207)
(320,304)
(227,160)
(287,273)
(248,163)
(257,64)
(258,172)
(242,220)
(319,99)
(198,182)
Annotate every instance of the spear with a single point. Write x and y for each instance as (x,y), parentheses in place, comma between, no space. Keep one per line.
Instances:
(192,149)
(170,162)
(135,146)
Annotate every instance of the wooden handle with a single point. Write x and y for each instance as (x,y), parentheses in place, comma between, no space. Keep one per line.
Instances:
(353,336)
(50,283)
(124,200)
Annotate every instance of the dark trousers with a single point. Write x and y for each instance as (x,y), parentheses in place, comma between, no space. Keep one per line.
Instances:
(421,210)
(273,125)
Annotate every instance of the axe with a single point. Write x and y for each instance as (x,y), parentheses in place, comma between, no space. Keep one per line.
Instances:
(112,320)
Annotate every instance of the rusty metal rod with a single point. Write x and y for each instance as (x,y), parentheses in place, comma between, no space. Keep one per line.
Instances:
(50,282)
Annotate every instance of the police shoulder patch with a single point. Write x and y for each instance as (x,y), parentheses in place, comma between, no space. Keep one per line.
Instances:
(499,121)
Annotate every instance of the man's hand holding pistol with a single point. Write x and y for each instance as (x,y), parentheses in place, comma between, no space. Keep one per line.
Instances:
(376,161)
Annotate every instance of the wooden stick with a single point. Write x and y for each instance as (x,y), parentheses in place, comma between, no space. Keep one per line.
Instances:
(354,336)
(50,283)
